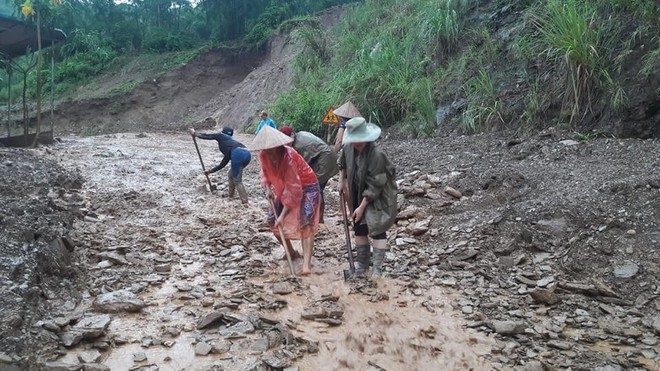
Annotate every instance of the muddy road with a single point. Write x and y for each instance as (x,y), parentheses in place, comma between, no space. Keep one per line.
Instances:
(200,283)
(509,253)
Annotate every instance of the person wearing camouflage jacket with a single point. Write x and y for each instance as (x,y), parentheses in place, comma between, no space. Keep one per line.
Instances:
(368,180)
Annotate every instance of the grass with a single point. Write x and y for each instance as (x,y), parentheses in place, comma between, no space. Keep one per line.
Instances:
(484,106)
(125,87)
(582,45)
(572,42)
(381,56)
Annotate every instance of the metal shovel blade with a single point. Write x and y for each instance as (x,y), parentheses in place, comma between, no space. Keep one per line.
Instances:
(348,274)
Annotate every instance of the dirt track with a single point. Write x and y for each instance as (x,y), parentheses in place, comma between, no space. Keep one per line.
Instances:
(548,260)
(187,253)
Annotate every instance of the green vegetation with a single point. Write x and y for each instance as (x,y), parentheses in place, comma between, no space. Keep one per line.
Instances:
(103,33)
(517,65)
(399,60)
(582,49)
(382,61)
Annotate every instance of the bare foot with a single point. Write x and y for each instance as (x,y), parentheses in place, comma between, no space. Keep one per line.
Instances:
(305,272)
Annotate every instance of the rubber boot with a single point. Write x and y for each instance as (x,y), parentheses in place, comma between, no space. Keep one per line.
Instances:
(363,258)
(232,185)
(380,248)
(242,193)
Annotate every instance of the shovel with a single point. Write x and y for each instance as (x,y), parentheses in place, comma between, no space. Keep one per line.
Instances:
(286,251)
(349,248)
(213,187)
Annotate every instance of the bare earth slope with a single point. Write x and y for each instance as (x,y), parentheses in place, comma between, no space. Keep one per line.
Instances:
(220,88)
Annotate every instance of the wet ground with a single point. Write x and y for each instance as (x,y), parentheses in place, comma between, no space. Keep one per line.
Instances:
(509,253)
(154,229)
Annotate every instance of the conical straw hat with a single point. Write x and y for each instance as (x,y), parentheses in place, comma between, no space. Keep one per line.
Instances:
(347,110)
(269,138)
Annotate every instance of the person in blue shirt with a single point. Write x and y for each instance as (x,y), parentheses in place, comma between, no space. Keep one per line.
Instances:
(265,120)
(233,151)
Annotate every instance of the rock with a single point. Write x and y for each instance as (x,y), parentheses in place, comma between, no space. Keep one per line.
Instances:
(5,359)
(544,296)
(313,313)
(240,328)
(545,281)
(229,272)
(184,287)
(60,366)
(114,257)
(210,319)
(282,288)
(71,338)
(581,312)
(118,301)
(532,366)
(650,341)
(202,349)
(554,226)
(418,229)
(626,270)
(7,363)
(655,324)
(220,347)
(95,367)
(259,345)
(620,329)
(163,268)
(526,281)
(453,192)
(508,327)
(87,328)
(558,344)
(608,368)
(89,356)
(277,360)
(51,326)
(330,321)
(207,302)
(139,357)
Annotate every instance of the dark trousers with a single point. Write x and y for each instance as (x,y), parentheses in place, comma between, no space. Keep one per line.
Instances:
(362,229)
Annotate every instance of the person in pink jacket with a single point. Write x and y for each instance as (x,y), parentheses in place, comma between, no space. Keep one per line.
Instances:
(295,190)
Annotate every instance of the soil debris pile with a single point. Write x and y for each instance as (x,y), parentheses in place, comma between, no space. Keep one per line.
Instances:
(38,260)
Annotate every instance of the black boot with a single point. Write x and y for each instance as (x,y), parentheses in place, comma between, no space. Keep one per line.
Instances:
(363,258)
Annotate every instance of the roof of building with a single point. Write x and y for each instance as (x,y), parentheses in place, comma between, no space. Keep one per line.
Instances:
(18,37)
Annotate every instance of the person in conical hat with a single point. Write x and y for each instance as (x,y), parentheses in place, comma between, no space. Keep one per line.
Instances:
(295,191)
(367,179)
(345,112)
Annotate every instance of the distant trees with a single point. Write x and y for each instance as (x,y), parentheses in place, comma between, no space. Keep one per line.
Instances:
(133,26)
(99,31)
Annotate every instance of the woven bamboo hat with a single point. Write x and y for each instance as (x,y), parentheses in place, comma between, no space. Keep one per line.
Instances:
(347,110)
(269,138)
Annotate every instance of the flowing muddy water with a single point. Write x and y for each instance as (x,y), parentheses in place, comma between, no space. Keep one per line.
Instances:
(189,253)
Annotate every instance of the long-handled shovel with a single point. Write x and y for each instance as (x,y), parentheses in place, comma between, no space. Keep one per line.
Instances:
(213,187)
(286,250)
(349,248)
